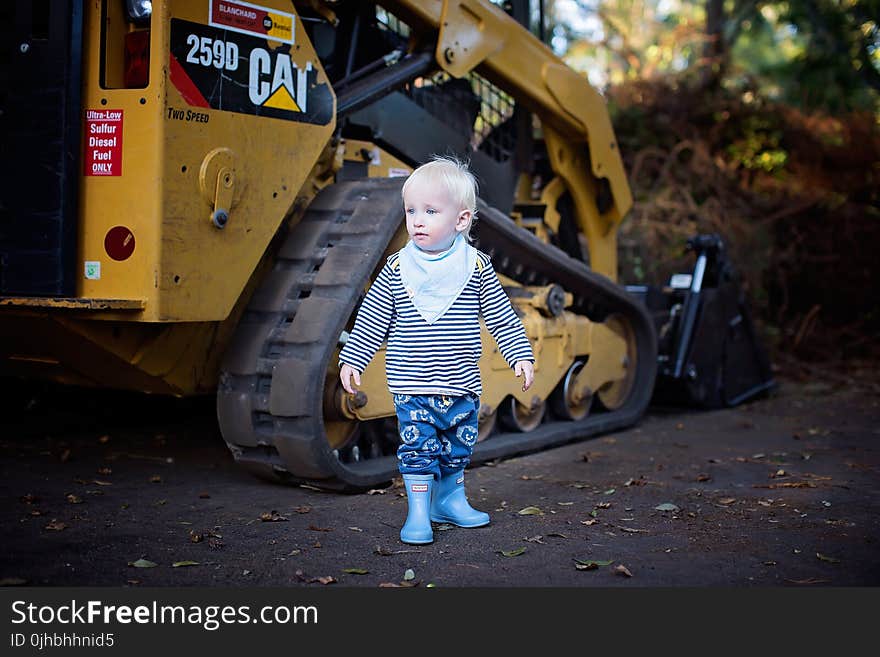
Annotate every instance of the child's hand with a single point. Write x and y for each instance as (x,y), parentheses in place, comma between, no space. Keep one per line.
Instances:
(345,375)
(527,368)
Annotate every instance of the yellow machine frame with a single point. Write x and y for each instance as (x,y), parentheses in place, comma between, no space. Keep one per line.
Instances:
(160,320)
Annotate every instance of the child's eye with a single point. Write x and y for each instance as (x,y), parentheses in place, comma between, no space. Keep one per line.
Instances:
(431,211)
(410,211)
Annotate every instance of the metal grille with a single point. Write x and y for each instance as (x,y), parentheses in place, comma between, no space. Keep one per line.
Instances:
(471,104)
(388,21)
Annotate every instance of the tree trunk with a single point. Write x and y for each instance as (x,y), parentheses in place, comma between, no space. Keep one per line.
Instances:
(714,50)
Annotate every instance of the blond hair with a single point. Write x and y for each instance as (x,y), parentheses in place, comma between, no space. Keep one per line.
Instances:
(455,177)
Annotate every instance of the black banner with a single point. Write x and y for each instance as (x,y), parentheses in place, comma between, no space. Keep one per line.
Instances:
(522,620)
(226,70)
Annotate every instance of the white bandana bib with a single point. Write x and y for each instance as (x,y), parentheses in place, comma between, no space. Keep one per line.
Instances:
(433,281)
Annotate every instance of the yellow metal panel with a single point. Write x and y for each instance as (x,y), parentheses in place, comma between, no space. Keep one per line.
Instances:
(183,266)
(132,199)
(380,163)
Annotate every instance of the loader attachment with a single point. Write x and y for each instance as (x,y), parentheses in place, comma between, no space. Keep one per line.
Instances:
(708,352)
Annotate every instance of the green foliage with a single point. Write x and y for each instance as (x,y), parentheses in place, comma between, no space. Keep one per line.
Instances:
(759,145)
(812,54)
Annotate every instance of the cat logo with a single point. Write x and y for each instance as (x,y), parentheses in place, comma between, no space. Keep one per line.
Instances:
(277,82)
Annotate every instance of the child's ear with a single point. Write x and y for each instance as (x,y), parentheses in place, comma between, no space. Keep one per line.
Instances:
(464,218)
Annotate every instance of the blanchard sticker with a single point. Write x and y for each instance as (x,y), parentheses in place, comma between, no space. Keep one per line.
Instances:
(252,19)
(226,70)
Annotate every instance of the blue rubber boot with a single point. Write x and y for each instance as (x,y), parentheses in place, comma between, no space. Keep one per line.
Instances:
(417,528)
(450,503)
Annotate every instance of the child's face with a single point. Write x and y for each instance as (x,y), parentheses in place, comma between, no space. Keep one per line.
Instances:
(432,217)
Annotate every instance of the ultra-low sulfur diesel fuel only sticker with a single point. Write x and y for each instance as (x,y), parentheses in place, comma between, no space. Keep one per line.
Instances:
(103,143)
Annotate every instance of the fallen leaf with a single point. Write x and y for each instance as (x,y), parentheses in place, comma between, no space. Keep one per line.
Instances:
(590,564)
(74,499)
(383,552)
(104,439)
(204,496)
(828,559)
(787,484)
(179,564)
(54,525)
(535,539)
(29,498)
(603,505)
(810,580)
(594,513)
(409,574)
(623,570)
(530,511)
(589,522)
(13,581)
(679,425)
(389,585)
(565,503)
(272,516)
(557,534)
(65,455)
(302,509)
(356,529)
(610,491)
(104,471)
(315,528)
(155,479)
(512,553)
(666,506)
(631,529)
(143,563)
(356,571)
(376,491)
(528,477)
(444,527)
(196,537)
(161,502)
(727,500)
(99,482)
(326,579)
(703,477)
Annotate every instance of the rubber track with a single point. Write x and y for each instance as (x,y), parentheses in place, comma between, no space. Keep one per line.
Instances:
(270,397)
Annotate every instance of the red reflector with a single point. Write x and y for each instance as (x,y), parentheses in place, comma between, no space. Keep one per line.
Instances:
(137,59)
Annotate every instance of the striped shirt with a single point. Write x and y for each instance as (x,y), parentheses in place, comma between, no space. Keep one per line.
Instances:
(438,358)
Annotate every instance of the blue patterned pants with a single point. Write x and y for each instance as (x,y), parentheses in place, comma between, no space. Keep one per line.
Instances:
(437,432)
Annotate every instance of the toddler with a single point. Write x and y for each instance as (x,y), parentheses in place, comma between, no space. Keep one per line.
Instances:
(427,301)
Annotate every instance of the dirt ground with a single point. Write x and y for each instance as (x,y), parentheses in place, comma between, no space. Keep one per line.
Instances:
(783,491)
